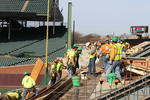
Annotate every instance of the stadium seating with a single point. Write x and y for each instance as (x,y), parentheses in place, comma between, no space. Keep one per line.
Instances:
(11,61)
(38,49)
(7,47)
(11,5)
(38,6)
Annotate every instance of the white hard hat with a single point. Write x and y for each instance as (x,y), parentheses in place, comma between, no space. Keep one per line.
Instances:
(87,44)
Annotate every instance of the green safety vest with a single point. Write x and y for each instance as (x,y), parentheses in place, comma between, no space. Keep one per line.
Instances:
(118,50)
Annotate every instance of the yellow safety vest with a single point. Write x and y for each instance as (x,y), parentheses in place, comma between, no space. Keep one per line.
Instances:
(71,53)
(117,52)
(59,66)
(54,68)
(28,82)
(13,95)
(94,54)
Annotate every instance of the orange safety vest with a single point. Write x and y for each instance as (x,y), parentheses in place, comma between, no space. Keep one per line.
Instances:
(105,48)
(98,43)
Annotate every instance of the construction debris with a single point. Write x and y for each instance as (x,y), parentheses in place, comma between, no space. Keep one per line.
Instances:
(137,48)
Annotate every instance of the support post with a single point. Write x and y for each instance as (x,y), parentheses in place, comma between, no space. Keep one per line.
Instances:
(54,10)
(47,36)
(9,29)
(73,31)
(69,24)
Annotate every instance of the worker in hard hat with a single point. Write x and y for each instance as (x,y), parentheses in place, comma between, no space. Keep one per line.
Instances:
(99,44)
(105,50)
(92,58)
(71,56)
(78,53)
(60,66)
(123,47)
(28,85)
(13,95)
(114,63)
(53,73)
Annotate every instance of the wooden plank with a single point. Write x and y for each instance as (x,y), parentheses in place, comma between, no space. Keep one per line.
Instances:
(139,62)
(136,71)
(37,69)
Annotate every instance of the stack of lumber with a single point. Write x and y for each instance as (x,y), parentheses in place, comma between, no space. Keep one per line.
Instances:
(138,66)
(137,48)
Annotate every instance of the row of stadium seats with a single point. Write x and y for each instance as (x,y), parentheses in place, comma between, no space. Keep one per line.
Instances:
(7,47)
(38,49)
(9,61)
(38,6)
(11,5)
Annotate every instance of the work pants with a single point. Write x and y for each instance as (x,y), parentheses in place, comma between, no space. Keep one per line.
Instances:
(69,73)
(59,75)
(91,66)
(116,66)
(53,79)
(29,90)
(71,70)
(105,61)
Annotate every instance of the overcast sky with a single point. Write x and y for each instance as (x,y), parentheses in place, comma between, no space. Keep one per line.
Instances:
(107,16)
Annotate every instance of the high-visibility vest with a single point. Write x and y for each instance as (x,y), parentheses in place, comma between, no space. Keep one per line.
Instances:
(54,68)
(28,82)
(60,66)
(94,54)
(71,53)
(105,48)
(122,49)
(13,95)
(98,43)
(126,45)
(117,52)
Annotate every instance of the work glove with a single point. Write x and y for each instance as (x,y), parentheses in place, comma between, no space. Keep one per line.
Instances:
(110,62)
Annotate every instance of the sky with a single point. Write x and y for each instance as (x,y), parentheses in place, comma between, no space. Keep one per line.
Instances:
(107,16)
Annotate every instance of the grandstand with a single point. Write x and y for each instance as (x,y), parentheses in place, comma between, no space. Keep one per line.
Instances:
(23,32)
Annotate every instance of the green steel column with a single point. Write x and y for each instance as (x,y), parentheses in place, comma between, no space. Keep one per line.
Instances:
(69,24)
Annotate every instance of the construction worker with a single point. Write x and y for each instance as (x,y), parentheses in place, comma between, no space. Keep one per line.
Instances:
(79,51)
(123,47)
(92,58)
(71,56)
(13,95)
(105,50)
(28,85)
(114,63)
(60,66)
(53,73)
(98,44)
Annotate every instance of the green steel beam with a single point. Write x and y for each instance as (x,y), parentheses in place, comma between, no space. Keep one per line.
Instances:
(69,24)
